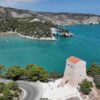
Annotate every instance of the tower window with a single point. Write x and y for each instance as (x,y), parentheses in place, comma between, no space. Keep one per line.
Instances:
(71,66)
(80,75)
(68,64)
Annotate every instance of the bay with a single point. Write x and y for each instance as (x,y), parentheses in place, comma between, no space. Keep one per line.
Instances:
(52,55)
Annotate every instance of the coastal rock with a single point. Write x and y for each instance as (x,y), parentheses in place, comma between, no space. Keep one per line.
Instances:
(67,34)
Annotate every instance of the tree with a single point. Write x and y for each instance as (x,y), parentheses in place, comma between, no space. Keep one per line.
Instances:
(26,27)
(12,23)
(15,72)
(86,87)
(31,72)
(35,73)
(93,70)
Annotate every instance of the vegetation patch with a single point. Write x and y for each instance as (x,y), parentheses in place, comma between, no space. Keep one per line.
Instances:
(30,73)
(86,87)
(94,71)
(27,27)
(9,91)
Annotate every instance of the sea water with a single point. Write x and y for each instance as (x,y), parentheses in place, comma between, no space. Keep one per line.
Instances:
(52,55)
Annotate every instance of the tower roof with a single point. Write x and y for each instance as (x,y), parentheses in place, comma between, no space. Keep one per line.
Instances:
(74,59)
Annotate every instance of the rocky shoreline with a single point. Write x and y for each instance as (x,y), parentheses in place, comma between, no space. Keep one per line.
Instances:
(28,37)
(36,38)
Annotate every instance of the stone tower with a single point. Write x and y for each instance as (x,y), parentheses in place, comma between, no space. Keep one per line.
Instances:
(75,71)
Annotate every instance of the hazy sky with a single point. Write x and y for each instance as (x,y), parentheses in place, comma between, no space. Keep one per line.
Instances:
(82,6)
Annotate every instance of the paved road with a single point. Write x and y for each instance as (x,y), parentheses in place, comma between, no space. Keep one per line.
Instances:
(33,90)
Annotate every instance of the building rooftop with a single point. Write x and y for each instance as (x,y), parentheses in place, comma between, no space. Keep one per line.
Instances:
(74,59)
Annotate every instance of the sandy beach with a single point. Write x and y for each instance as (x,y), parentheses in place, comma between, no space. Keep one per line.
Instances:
(8,33)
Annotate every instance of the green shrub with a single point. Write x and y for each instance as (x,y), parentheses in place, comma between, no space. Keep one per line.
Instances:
(16,94)
(35,73)
(13,86)
(15,72)
(1,87)
(2,98)
(31,73)
(86,87)
(93,70)
(7,94)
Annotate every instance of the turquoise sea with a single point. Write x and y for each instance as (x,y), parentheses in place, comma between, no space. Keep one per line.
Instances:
(52,55)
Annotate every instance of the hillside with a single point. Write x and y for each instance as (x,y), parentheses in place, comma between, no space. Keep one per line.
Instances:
(12,12)
(57,18)
(72,18)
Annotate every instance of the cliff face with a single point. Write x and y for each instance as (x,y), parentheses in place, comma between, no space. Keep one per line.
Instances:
(71,18)
(57,18)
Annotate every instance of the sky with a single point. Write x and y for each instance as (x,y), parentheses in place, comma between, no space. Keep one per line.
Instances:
(76,6)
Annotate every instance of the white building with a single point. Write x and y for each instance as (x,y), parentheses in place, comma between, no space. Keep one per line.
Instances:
(53,31)
(66,87)
(75,71)
(35,20)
